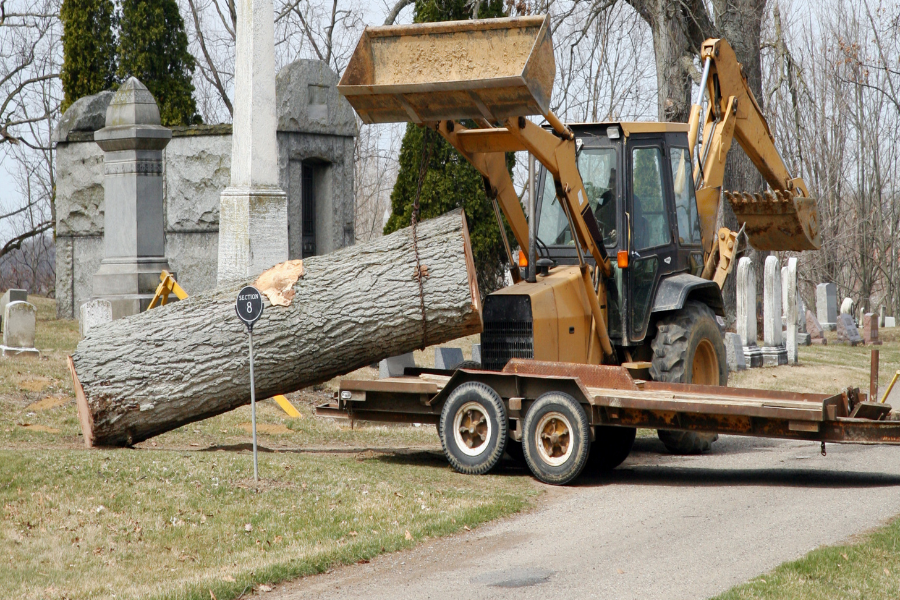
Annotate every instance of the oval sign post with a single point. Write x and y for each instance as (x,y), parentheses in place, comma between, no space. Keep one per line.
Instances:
(249,307)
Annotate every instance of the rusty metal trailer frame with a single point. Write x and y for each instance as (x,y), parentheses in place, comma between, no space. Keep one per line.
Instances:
(610,396)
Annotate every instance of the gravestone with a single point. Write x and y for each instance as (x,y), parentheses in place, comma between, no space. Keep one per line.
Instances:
(734,352)
(847,333)
(789,279)
(476,353)
(847,307)
(19,320)
(447,358)
(746,312)
(773,350)
(870,329)
(814,329)
(881,314)
(134,236)
(11,295)
(890,322)
(253,221)
(94,313)
(394,366)
(826,305)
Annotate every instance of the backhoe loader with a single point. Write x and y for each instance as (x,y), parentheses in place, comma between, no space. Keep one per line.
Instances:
(620,262)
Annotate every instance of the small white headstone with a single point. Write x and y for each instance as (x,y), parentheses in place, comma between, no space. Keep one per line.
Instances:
(94,313)
(826,305)
(18,333)
(734,352)
(12,295)
(890,322)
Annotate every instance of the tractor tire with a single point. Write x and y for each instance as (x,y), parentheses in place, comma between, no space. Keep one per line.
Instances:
(473,428)
(469,364)
(556,438)
(610,448)
(688,348)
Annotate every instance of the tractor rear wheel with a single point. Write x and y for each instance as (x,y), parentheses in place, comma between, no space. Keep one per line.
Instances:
(688,348)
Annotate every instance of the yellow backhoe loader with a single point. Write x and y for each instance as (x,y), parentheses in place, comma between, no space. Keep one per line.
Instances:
(621,260)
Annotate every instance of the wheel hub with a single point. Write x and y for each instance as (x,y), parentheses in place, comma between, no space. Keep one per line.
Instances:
(553,438)
(472,428)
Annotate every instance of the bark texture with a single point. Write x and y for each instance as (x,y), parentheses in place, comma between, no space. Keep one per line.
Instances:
(144,375)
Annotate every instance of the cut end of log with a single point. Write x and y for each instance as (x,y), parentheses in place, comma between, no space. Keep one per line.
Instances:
(84,413)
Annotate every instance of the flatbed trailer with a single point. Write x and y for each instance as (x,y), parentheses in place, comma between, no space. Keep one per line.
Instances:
(583,405)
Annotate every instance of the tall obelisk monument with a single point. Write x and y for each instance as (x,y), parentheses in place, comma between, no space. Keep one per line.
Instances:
(253,227)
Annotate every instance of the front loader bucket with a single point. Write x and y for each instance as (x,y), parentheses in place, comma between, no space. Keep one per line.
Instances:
(490,68)
(777,221)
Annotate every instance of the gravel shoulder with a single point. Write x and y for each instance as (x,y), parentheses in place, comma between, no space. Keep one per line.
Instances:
(660,526)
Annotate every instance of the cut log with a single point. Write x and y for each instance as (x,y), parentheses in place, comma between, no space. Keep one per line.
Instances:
(150,373)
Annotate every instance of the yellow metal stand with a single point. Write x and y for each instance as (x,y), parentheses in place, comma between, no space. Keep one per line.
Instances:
(168,285)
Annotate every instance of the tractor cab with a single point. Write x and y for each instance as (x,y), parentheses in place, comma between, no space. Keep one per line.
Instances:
(639,185)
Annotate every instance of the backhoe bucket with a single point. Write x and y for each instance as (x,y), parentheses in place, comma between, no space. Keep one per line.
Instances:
(778,221)
(490,68)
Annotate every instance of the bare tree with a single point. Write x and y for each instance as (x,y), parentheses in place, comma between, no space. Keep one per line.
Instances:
(30,94)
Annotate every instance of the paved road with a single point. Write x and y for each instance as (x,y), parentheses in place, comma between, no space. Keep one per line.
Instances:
(659,527)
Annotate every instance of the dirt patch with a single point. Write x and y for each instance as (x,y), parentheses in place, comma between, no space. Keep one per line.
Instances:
(48,403)
(41,428)
(267,428)
(33,383)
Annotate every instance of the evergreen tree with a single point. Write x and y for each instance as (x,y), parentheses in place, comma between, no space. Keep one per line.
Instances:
(89,48)
(450,181)
(154,48)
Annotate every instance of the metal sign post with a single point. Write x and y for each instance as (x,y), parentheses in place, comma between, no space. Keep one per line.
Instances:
(249,307)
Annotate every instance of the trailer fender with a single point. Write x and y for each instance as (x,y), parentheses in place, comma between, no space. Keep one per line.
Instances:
(514,385)
(674,291)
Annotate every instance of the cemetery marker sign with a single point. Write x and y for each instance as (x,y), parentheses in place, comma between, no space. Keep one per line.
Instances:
(249,307)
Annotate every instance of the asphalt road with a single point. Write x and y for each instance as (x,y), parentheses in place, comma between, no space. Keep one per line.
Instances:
(660,526)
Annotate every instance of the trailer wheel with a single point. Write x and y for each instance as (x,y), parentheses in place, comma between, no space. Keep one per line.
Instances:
(473,428)
(556,438)
(688,348)
(610,448)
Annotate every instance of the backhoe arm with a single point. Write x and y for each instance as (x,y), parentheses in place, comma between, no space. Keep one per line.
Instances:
(783,219)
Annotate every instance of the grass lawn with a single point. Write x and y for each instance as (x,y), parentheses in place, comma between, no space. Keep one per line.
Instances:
(180,515)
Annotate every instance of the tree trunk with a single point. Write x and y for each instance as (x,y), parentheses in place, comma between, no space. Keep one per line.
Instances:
(144,375)
(740,22)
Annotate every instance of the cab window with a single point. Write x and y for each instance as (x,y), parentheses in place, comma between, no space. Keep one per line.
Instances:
(597,167)
(688,220)
(651,223)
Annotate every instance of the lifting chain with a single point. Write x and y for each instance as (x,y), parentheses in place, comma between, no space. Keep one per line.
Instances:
(423,168)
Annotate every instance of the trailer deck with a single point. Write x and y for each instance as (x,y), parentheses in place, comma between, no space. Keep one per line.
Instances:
(611,396)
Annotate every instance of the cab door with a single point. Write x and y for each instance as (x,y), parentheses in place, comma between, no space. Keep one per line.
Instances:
(652,250)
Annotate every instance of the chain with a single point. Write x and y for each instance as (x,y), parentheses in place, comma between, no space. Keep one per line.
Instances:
(423,168)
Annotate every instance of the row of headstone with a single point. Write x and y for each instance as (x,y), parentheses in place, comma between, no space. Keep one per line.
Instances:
(774,350)
(444,358)
(19,324)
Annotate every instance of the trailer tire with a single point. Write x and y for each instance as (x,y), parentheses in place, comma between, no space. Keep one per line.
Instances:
(610,448)
(688,348)
(474,428)
(556,438)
